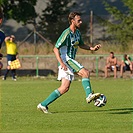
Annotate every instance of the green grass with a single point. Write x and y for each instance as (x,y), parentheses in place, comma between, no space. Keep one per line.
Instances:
(70,113)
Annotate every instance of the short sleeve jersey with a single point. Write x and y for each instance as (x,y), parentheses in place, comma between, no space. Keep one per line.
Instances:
(126,61)
(11,48)
(68,43)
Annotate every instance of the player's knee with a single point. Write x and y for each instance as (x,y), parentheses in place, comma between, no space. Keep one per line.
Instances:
(8,67)
(63,90)
(106,67)
(86,74)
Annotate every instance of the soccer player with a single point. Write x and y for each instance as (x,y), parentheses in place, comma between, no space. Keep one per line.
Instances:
(12,53)
(65,51)
(2,35)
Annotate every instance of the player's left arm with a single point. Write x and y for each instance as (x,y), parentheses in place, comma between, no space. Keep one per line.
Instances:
(17,55)
(129,59)
(86,47)
(115,61)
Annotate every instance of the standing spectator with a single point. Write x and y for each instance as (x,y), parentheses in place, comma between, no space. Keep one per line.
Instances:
(2,35)
(111,64)
(11,55)
(65,52)
(126,65)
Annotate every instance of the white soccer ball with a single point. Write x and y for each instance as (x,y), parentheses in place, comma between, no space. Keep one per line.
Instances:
(101,101)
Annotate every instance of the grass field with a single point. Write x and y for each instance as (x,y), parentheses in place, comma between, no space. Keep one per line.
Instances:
(70,113)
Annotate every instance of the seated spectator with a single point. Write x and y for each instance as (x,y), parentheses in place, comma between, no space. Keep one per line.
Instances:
(111,64)
(126,65)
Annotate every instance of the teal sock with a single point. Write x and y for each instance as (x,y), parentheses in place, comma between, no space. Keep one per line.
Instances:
(52,97)
(86,85)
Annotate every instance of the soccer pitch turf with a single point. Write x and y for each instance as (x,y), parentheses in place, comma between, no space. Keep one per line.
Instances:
(70,113)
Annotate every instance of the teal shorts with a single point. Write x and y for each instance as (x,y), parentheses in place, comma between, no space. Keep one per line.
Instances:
(74,65)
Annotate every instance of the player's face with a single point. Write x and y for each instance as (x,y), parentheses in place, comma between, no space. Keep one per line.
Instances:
(112,55)
(77,21)
(12,39)
(0,21)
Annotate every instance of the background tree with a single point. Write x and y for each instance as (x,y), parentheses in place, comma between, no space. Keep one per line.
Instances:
(53,19)
(19,10)
(121,26)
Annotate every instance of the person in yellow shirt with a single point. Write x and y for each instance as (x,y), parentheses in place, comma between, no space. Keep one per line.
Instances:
(12,53)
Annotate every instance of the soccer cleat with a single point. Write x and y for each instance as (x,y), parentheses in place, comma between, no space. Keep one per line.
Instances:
(42,108)
(92,96)
(4,78)
(14,79)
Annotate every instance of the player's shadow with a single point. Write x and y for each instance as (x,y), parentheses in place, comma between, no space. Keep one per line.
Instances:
(121,111)
(109,111)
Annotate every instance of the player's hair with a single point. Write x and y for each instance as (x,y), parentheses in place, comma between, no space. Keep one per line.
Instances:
(125,56)
(1,55)
(111,52)
(12,36)
(72,16)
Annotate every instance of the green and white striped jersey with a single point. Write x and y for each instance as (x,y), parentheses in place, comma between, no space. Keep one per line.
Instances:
(2,37)
(68,44)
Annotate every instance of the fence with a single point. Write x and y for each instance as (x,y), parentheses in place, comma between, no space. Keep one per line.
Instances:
(43,65)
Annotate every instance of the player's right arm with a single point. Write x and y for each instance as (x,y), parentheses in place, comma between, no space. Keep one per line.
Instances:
(7,38)
(129,60)
(57,54)
(61,42)
(108,61)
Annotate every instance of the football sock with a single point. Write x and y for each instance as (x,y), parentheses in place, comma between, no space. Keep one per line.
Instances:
(87,86)
(7,71)
(52,97)
(13,73)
